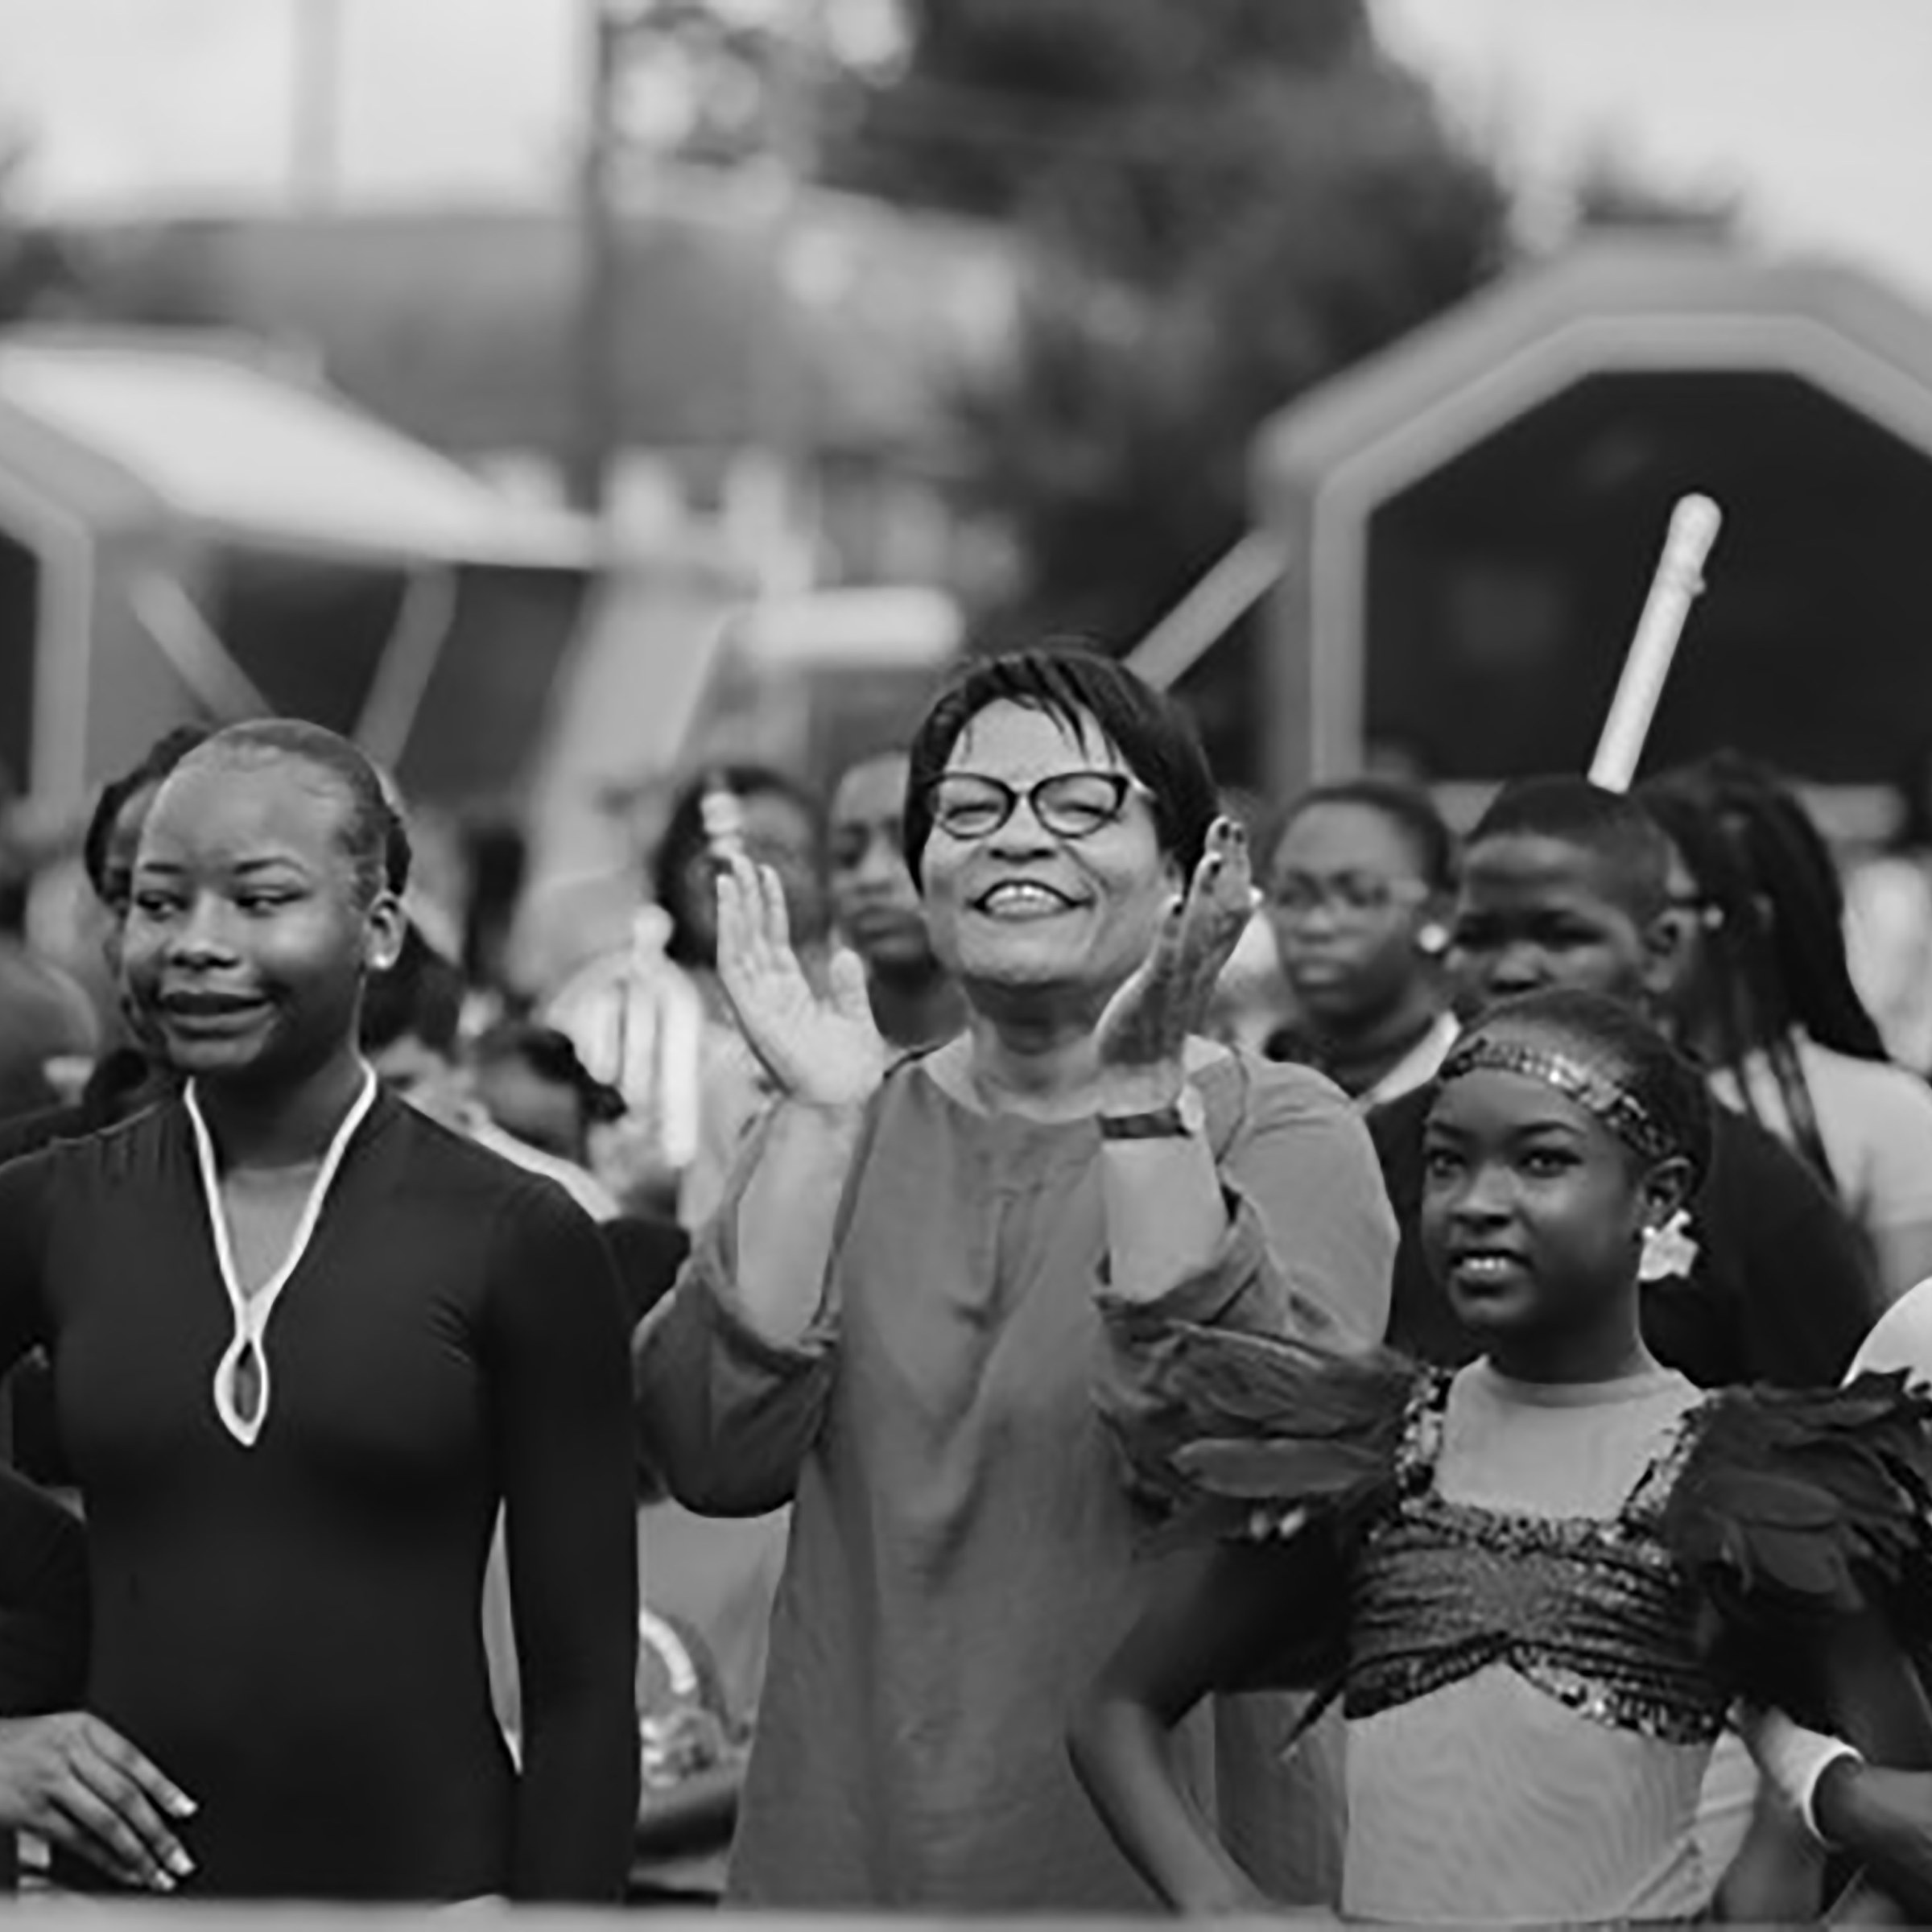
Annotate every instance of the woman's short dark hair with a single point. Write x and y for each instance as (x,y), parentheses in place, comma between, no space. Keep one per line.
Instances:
(156,762)
(1407,807)
(373,834)
(684,838)
(1076,688)
(1612,1035)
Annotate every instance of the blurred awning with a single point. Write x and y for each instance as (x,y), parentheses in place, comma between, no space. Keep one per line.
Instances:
(221,437)
(193,525)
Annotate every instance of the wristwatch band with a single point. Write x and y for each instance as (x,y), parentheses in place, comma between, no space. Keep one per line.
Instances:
(1177,1120)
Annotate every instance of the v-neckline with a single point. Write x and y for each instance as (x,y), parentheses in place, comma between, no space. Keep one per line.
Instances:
(250,1312)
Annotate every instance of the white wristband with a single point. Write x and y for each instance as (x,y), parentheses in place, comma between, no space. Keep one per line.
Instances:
(1794,1759)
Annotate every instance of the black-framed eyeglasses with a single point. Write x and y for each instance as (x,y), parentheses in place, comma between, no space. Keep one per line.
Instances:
(1070,804)
(1348,898)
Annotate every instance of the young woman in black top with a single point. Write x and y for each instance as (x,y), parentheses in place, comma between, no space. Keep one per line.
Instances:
(305,1342)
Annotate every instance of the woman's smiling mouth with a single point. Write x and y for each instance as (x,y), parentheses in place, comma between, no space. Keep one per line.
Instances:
(1022,899)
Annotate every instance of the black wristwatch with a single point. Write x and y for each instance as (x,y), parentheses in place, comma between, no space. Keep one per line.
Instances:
(1180,1119)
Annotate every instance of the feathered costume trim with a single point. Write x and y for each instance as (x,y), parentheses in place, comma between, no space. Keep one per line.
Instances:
(1793,1506)
(1230,1425)
(1784,1505)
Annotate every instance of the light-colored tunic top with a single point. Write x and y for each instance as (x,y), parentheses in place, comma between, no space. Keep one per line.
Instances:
(963,1553)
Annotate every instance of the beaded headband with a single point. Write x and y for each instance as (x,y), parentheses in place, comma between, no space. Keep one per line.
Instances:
(1592,1089)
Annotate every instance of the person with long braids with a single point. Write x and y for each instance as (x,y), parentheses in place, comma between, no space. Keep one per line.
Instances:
(1768,1005)
(1889,917)
(897,1318)
(305,1342)
(1539,1582)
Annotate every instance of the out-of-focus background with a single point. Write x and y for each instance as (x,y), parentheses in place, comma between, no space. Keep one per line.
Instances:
(555,391)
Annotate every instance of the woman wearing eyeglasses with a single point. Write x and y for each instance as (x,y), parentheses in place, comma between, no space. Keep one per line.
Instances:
(1359,892)
(899,1317)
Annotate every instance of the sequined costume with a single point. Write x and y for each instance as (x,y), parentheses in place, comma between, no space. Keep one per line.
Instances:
(1595,1610)
(1531,1651)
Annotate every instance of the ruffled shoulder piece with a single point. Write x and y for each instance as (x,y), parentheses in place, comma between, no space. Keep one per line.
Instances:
(1807,1505)
(1230,1425)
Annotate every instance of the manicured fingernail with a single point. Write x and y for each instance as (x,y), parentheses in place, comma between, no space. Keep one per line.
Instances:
(182,1806)
(180,1863)
(161,1882)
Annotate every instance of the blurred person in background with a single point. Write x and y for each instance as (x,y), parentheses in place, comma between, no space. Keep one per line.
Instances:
(876,907)
(652,1021)
(1763,1278)
(1359,887)
(412,1019)
(1767,1003)
(899,1315)
(528,1079)
(1889,919)
(46,1020)
(496,866)
(127,1075)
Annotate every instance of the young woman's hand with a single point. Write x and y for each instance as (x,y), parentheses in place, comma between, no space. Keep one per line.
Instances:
(79,1784)
(1142,1036)
(827,1054)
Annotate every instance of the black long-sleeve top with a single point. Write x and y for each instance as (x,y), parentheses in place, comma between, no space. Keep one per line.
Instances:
(292,1630)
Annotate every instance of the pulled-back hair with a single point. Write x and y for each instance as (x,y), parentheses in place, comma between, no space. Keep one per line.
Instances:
(155,763)
(1623,837)
(419,998)
(1614,1039)
(373,835)
(1407,807)
(1079,689)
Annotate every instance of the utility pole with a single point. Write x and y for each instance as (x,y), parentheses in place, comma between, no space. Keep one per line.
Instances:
(783,423)
(316,82)
(594,387)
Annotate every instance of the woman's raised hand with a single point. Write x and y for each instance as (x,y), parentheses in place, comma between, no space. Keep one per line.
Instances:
(822,1053)
(1143,1033)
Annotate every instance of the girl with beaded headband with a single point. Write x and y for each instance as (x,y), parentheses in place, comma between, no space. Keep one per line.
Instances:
(1539,1582)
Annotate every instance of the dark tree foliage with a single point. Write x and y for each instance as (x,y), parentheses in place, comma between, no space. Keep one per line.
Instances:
(1222,202)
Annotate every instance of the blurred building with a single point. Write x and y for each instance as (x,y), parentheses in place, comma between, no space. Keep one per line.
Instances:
(1472,518)
(190,528)
(781,379)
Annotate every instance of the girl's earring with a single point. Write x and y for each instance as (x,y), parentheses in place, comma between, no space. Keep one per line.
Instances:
(1433,940)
